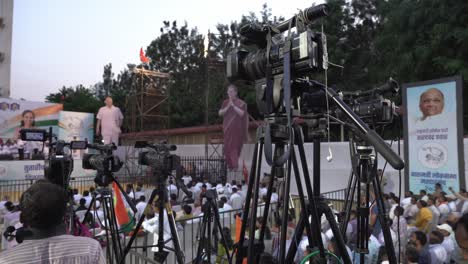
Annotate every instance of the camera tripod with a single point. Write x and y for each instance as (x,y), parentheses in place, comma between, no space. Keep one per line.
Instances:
(164,207)
(364,171)
(312,205)
(210,214)
(103,194)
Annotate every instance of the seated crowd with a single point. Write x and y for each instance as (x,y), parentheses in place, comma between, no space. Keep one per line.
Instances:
(425,228)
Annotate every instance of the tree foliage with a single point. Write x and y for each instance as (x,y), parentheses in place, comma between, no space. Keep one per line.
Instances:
(372,39)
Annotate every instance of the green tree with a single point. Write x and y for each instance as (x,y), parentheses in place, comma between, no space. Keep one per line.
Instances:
(78,99)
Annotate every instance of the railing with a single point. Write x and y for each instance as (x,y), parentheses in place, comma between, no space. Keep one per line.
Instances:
(213,169)
(189,231)
(14,188)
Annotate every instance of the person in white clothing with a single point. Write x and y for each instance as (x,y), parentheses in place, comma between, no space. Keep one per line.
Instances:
(236,200)
(449,241)
(407,200)
(109,121)
(171,188)
(437,251)
(444,209)
(152,226)
(411,210)
(140,206)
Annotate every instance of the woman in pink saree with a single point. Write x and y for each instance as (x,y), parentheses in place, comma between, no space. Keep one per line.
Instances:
(235,126)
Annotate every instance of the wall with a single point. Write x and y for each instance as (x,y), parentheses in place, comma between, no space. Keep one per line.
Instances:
(334,174)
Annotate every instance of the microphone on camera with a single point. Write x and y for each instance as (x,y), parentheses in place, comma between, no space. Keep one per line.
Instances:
(330,155)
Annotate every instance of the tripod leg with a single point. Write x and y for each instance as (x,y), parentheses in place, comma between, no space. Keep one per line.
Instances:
(137,227)
(349,202)
(253,214)
(313,231)
(383,219)
(202,239)
(220,229)
(284,221)
(336,233)
(296,238)
(175,236)
(245,214)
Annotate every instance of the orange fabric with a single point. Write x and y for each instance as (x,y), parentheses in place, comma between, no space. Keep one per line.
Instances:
(143,58)
(120,210)
(238,228)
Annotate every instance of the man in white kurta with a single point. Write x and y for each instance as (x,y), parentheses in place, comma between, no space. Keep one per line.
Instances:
(109,120)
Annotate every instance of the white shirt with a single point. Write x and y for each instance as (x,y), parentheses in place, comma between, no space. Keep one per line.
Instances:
(172,189)
(88,200)
(405,202)
(77,198)
(449,247)
(226,207)
(110,120)
(444,210)
(262,192)
(140,209)
(411,211)
(453,206)
(61,249)
(435,215)
(152,226)
(274,197)
(187,179)
(236,201)
(438,253)
(425,198)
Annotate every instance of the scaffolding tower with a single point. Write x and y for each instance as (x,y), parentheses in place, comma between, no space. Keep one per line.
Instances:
(147,104)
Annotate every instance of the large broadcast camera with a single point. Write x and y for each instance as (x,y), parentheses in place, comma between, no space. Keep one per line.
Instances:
(260,57)
(104,162)
(162,162)
(158,156)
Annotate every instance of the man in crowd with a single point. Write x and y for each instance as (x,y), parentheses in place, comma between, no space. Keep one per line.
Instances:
(419,241)
(236,200)
(437,251)
(449,240)
(43,208)
(423,217)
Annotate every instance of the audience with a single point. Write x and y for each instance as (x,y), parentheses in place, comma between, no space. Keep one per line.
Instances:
(43,208)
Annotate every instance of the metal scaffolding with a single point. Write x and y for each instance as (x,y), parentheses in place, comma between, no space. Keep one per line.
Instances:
(147,104)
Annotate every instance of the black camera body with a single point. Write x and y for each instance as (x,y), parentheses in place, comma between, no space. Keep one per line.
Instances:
(158,156)
(261,58)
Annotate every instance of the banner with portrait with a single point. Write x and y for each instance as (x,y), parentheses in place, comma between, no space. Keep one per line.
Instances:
(76,126)
(45,115)
(433,131)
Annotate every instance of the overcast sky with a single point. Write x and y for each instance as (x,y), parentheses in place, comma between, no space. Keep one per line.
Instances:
(63,42)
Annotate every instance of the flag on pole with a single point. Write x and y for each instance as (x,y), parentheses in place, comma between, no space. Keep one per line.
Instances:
(124,220)
(143,58)
(245,172)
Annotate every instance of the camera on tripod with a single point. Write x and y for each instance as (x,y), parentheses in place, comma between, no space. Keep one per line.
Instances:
(261,55)
(104,162)
(371,105)
(59,165)
(158,156)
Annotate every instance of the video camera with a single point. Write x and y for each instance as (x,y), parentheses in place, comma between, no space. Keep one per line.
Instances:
(59,165)
(371,105)
(158,156)
(104,162)
(261,56)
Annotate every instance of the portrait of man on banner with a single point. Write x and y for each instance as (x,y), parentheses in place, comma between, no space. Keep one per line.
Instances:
(433,138)
(235,126)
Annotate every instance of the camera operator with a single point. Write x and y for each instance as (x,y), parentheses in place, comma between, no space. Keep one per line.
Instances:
(43,208)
